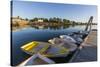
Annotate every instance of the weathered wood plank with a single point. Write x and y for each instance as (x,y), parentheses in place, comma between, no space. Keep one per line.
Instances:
(88,51)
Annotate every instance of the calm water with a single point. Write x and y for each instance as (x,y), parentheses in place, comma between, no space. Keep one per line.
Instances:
(22,36)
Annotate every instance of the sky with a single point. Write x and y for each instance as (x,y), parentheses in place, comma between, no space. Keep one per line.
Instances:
(79,13)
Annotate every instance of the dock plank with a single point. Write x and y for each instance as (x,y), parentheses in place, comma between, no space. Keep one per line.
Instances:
(88,52)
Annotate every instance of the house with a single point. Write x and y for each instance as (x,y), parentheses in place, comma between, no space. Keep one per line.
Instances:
(40,20)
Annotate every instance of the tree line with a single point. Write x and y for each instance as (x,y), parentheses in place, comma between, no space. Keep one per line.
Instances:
(49,21)
(58,20)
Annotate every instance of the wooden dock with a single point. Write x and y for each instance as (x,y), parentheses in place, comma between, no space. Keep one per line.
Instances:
(88,49)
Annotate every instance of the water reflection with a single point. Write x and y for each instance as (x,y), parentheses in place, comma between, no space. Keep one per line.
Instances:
(57,27)
(52,27)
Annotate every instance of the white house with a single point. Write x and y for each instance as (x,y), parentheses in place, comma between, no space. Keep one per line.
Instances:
(40,20)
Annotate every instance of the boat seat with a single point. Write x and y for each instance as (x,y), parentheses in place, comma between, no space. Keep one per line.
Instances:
(44,49)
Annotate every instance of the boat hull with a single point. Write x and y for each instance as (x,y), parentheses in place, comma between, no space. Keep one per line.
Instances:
(47,50)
